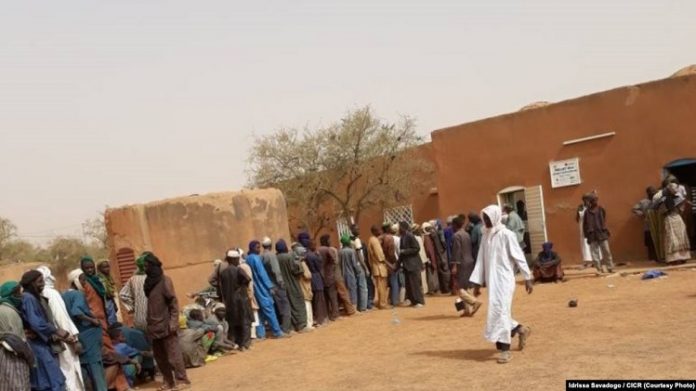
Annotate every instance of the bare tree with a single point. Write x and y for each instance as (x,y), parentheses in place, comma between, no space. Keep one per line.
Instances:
(95,229)
(340,170)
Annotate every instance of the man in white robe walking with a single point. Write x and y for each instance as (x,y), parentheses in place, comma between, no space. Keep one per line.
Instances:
(498,255)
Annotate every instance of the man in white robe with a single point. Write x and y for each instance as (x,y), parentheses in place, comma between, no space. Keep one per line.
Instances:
(498,255)
(69,360)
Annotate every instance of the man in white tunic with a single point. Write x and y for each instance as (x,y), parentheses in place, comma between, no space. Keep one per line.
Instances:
(498,255)
(69,360)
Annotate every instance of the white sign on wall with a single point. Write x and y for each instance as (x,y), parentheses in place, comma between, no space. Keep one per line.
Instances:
(565,173)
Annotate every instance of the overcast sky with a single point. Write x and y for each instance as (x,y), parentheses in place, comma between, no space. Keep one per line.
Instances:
(117,102)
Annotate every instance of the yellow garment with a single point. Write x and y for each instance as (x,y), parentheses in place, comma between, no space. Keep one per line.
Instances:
(182,322)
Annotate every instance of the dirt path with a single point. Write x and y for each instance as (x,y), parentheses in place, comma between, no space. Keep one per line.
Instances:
(633,329)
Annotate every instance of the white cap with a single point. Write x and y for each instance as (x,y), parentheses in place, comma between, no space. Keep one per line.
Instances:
(233,254)
(266,241)
(426,226)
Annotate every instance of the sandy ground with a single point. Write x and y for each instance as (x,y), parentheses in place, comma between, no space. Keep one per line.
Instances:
(622,328)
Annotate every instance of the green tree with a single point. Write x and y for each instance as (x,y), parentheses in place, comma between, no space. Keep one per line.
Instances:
(355,164)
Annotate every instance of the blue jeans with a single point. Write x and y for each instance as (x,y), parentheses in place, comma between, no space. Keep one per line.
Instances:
(362,292)
(370,292)
(267,314)
(394,287)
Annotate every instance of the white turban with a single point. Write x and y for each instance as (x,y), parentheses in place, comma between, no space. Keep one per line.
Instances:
(233,254)
(47,275)
(74,278)
(266,242)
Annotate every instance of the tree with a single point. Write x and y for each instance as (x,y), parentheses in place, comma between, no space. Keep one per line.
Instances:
(19,250)
(95,229)
(65,254)
(7,232)
(355,164)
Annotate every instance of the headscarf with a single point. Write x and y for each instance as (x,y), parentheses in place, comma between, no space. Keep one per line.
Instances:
(6,294)
(47,275)
(345,240)
(495,215)
(154,272)
(281,247)
(94,281)
(266,242)
(547,254)
(107,280)
(303,238)
(140,263)
(29,277)
(74,278)
(253,245)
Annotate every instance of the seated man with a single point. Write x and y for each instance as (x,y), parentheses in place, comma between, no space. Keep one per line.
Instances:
(196,321)
(547,267)
(217,319)
(137,339)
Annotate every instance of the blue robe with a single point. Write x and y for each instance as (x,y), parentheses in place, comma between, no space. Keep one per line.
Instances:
(262,290)
(46,374)
(90,337)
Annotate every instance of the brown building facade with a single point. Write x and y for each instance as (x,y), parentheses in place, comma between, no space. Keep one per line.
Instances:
(616,142)
(188,233)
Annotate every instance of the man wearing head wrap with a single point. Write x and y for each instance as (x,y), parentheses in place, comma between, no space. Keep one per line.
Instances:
(263,289)
(90,332)
(306,284)
(95,295)
(238,314)
(292,271)
(547,267)
(280,295)
(163,323)
(498,257)
(364,261)
(319,307)
(104,274)
(14,366)
(45,339)
(597,234)
(431,264)
(353,274)
(409,260)
(133,295)
(329,259)
(68,359)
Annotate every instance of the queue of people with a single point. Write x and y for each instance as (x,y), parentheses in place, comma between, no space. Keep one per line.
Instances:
(73,341)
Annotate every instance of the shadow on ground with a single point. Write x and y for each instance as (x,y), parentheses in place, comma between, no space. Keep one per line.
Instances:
(480,355)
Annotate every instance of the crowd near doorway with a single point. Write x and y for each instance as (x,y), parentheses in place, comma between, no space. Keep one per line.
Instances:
(685,171)
(528,202)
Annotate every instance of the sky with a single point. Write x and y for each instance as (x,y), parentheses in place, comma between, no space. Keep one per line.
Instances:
(107,103)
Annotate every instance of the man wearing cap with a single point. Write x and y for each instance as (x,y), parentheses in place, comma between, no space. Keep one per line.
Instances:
(234,284)
(280,295)
(409,259)
(379,267)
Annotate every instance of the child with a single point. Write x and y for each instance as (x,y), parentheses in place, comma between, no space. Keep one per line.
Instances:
(217,319)
(132,368)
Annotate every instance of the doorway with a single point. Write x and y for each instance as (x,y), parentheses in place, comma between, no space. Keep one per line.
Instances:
(685,171)
(529,204)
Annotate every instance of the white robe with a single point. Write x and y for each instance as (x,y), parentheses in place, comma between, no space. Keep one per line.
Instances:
(498,255)
(584,246)
(69,361)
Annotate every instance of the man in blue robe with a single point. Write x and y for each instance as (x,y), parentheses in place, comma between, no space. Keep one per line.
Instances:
(263,290)
(41,333)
